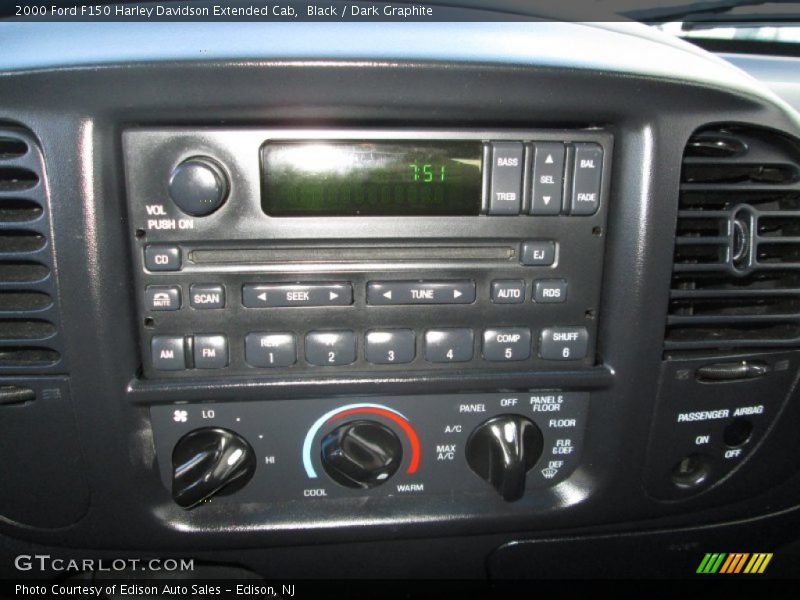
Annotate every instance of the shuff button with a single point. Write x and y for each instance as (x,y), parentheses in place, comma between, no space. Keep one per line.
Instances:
(564,343)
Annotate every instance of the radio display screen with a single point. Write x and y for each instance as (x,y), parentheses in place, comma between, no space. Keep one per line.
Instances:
(371,178)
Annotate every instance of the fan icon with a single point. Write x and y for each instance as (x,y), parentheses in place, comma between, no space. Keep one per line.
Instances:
(180,416)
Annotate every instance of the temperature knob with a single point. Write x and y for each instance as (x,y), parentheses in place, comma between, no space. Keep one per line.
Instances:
(361,454)
(198,186)
(502,450)
(210,461)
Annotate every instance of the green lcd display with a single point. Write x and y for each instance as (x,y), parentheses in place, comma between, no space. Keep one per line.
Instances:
(371,178)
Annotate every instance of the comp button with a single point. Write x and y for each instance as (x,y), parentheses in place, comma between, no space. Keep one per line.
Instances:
(507,344)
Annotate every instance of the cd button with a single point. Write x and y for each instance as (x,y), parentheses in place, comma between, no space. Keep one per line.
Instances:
(269,295)
(162,258)
(270,349)
(505,194)
(330,348)
(420,292)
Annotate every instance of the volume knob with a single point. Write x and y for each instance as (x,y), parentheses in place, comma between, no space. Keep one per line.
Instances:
(198,186)
(502,450)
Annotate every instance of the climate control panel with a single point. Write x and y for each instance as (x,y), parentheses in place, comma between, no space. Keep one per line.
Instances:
(504,445)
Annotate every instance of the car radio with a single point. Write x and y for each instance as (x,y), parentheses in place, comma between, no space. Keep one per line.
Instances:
(307,253)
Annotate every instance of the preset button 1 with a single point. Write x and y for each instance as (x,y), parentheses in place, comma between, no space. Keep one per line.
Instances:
(277,349)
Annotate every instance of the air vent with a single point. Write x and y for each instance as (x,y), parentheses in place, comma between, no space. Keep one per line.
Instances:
(29,332)
(736,272)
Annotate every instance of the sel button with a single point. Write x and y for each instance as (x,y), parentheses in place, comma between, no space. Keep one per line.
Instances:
(548,178)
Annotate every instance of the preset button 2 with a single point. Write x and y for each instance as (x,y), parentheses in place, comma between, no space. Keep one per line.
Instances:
(330,348)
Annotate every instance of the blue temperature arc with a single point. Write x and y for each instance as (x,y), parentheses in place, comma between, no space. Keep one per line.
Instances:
(307,464)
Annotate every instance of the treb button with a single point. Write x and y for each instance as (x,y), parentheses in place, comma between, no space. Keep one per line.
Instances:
(505,191)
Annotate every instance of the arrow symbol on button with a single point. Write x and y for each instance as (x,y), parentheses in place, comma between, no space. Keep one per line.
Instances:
(388,294)
(549,159)
(262,296)
(333,295)
(546,200)
(456,294)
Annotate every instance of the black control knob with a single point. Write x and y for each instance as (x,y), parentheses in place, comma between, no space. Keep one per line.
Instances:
(361,454)
(198,186)
(502,450)
(210,461)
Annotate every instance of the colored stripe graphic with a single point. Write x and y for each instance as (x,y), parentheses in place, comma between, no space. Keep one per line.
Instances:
(734,562)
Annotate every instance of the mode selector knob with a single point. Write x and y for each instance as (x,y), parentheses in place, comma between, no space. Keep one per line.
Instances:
(502,450)
(198,186)
(210,461)
(361,454)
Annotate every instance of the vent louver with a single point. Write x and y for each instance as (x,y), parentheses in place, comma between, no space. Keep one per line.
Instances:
(736,272)
(29,333)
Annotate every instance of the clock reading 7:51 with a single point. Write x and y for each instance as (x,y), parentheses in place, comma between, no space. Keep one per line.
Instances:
(426,173)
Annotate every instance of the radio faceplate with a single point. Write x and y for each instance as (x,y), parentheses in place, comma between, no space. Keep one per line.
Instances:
(224,289)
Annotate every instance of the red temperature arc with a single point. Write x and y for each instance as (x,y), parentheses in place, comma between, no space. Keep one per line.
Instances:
(413,440)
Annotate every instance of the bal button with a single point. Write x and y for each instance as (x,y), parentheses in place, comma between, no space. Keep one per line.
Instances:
(198,186)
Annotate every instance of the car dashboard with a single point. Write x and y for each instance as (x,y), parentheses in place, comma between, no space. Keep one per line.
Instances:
(481,300)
